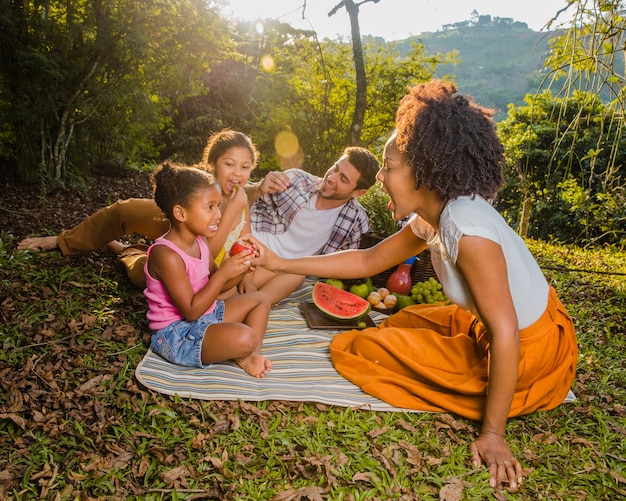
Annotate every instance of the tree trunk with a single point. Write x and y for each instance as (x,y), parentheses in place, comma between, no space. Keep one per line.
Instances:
(361,81)
(360,104)
(525,216)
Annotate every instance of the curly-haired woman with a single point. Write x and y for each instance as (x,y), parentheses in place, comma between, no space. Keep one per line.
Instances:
(506,346)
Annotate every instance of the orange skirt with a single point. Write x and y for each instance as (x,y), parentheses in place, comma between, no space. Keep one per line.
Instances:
(435,358)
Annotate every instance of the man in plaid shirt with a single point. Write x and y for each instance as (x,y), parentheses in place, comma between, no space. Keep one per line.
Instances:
(295,213)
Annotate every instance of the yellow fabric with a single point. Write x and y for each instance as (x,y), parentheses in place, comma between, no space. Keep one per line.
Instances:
(435,358)
(231,238)
(134,259)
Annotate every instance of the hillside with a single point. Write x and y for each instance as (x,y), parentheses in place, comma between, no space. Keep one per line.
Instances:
(499,60)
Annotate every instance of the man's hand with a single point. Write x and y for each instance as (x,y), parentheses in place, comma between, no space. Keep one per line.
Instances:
(274,181)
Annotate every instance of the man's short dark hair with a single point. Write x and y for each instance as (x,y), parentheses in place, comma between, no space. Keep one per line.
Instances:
(366,163)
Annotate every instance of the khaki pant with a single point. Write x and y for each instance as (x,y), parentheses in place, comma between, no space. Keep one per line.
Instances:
(135,215)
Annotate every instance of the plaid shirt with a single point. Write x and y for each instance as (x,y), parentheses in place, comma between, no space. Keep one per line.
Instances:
(274,212)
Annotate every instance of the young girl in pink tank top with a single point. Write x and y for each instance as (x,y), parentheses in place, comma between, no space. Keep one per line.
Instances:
(191,326)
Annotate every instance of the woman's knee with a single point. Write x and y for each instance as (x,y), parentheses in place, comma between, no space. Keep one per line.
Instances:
(365,343)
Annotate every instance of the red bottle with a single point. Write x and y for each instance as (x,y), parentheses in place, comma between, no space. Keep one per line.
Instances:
(399,281)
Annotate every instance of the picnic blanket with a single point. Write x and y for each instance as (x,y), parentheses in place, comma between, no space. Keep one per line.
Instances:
(302,368)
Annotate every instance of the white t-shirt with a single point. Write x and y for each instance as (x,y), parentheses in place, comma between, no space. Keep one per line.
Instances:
(309,230)
(476,217)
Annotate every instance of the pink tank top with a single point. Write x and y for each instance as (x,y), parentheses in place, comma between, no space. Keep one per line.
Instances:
(161,310)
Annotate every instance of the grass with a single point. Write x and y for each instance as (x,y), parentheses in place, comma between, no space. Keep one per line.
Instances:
(75,424)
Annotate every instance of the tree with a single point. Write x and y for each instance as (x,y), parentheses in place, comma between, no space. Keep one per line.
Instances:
(352,8)
(587,58)
(93,78)
(311,93)
(564,183)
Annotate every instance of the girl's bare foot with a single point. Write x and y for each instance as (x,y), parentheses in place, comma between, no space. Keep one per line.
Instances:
(256,365)
(38,244)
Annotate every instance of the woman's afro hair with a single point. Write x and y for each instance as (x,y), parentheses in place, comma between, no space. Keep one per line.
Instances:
(450,141)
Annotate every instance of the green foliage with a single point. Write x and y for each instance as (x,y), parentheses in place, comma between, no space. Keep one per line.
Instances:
(89,83)
(497,60)
(581,197)
(375,202)
(565,161)
(154,82)
(310,92)
(588,55)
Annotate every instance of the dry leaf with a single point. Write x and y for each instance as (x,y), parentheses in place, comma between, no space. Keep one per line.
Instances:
(452,491)
(17,419)
(363,477)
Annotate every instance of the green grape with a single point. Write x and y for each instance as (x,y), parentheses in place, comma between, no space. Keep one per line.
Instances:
(429,291)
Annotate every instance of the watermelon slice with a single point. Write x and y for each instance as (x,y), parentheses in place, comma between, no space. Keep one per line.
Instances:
(339,304)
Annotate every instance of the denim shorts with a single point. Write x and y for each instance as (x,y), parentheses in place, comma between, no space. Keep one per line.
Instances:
(181,341)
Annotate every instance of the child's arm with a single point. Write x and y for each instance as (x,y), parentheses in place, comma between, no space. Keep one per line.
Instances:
(232,282)
(231,216)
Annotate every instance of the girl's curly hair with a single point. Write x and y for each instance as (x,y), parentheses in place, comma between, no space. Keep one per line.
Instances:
(176,184)
(450,141)
(220,142)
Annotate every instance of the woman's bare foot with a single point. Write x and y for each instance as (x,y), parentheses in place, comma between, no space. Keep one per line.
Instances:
(256,365)
(38,244)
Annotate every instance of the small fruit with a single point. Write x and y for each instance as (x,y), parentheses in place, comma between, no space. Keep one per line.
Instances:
(403,301)
(390,301)
(335,282)
(429,291)
(380,306)
(361,324)
(240,246)
(361,290)
(374,298)
(384,292)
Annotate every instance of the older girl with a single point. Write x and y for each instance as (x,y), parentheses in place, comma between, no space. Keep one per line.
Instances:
(230,155)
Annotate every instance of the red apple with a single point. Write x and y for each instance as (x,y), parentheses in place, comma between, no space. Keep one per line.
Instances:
(240,246)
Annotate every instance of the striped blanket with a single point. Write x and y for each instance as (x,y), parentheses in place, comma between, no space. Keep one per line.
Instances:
(302,369)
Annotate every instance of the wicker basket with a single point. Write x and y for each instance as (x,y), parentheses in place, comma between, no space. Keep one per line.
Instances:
(421,270)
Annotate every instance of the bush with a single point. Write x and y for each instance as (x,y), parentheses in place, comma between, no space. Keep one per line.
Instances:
(375,203)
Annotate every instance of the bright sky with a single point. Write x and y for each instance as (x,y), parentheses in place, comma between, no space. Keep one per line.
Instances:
(394,19)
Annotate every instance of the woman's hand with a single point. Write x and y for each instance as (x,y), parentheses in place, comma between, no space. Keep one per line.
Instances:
(262,256)
(492,450)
